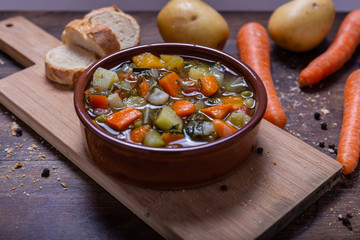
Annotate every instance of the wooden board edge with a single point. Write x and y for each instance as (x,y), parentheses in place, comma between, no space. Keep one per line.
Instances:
(301,207)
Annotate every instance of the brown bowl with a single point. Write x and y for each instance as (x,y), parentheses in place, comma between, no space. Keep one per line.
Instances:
(170,168)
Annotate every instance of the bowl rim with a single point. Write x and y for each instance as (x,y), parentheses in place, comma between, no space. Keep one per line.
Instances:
(250,76)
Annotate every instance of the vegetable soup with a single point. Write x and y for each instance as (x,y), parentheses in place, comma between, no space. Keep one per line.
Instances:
(169,101)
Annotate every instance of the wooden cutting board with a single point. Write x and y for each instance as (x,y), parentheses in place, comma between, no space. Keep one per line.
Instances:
(264,195)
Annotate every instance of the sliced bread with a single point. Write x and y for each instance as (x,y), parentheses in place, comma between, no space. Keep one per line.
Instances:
(125,26)
(64,64)
(97,38)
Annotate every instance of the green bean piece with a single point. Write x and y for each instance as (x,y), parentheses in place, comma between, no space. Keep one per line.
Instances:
(147,116)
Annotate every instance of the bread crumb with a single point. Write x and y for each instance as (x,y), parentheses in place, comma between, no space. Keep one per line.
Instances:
(325,111)
(18,165)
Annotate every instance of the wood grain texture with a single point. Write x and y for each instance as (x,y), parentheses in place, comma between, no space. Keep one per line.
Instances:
(86,211)
(266,190)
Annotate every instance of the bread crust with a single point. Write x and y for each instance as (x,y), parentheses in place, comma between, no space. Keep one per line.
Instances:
(55,69)
(84,41)
(128,37)
(79,32)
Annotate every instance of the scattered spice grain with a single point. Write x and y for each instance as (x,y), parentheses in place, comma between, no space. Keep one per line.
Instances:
(18,132)
(349,214)
(321,144)
(45,172)
(259,150)
(331,146)
(64,185)
(18,165)
(317,116)
(346,222)
(323,126)
(224,188)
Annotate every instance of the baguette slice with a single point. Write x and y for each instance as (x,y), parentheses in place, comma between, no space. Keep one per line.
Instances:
(64,64)
(125,26)
(96,38)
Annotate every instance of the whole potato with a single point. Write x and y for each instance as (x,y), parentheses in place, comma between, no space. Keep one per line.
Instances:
(301,25)
(192,21)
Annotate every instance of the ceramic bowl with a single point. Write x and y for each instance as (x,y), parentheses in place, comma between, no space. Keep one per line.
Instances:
(170,168)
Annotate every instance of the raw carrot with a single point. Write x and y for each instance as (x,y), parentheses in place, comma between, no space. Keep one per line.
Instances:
(217,112)
(223,128)
(340,51)
(171,83)
(142,87)
(137,134)
(123,118)
(98,101)
(254,49)
(208,85)
(184,108)
(171,137)
(349,143)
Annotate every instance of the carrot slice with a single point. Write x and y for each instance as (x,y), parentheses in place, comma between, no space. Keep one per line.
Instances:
(208,85)
(137,135)
(217,112)
(236,102)
(339,52)
(171,83)
(143,88)
(349,143)
(254,49)
(184,108)
(123,118)
(223,128)
(171,137)
(98,101)
(232,99)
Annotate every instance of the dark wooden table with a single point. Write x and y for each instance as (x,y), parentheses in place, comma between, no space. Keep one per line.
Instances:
(34,207)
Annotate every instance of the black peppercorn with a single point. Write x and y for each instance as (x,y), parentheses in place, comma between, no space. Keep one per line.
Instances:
(223,188)
(317,116)
(18,132)
(45,172)
(321,144)
(259,150)
(332,146)
(324,126)
(346,221)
